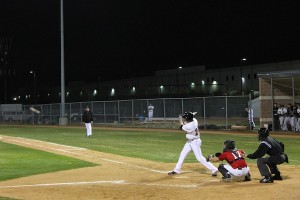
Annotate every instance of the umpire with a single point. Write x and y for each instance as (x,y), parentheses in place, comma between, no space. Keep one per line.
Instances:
(275,150)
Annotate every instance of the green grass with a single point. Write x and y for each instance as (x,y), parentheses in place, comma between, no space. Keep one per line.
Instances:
(156,145)
(6,198)
(16,162)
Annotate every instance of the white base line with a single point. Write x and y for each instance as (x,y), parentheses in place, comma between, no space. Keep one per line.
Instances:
(61,145)
(105,182)
(59,184)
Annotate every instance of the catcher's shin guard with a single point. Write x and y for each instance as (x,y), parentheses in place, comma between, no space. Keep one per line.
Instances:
(224,171)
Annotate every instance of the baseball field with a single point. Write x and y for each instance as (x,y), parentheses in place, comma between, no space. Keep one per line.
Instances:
(39,162)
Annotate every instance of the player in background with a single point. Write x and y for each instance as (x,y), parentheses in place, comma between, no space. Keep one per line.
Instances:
(281,114)
(287,119)
(190,126)
(150,112)
(298,119)
(87,119)
(250,118)
(294,118)
(236,165)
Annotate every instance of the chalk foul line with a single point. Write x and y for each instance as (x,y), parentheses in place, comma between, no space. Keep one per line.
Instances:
(60,184)
(121,182)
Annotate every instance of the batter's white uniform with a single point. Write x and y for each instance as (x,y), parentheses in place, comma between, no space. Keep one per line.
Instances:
(193,144)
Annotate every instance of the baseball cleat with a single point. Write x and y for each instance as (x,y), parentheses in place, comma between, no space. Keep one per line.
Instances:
(215,173)
(247,178)
(277,177)
(226,179)
(266,180)
(172,173)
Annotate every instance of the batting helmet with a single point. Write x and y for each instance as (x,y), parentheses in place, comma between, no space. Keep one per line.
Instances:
(188,116)
(228,145)
(263,133)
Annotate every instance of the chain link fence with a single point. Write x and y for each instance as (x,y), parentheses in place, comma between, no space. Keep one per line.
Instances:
(212,112)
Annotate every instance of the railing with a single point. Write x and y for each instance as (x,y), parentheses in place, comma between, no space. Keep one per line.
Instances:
(222,111)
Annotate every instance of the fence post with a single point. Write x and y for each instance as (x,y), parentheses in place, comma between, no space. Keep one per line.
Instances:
(132,111)
(226,113)
(204,113)
(119,119)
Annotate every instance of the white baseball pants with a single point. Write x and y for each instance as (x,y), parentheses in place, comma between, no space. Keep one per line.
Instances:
(88,127)
(193,145)
(237,172)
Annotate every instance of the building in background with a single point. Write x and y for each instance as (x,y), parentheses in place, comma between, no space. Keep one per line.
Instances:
(196,81)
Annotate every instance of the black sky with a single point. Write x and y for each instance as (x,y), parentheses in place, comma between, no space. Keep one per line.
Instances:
(111,38)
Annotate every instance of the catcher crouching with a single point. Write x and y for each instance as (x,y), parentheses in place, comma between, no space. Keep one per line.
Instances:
(236,166)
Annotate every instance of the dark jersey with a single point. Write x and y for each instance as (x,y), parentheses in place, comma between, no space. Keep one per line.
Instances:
(87,117)
(265,147)
(275,112)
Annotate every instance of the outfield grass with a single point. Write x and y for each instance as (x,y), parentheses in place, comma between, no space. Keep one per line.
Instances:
(156,145)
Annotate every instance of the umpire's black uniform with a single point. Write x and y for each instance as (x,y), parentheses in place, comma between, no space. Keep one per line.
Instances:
(276,157)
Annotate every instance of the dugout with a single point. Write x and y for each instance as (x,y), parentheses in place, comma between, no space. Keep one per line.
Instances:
(281,87)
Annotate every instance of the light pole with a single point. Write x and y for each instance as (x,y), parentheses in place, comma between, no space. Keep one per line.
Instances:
(242,79)
(34,84)
(62,119)
(177,78)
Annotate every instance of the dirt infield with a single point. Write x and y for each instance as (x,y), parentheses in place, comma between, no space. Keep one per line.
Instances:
(120,177)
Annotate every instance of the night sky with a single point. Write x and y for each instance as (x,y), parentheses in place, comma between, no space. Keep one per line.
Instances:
(115,39)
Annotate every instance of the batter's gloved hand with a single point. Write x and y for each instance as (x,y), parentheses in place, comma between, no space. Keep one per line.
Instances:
(209,157)
(218,154)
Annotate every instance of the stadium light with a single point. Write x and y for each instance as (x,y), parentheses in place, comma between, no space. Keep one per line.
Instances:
(243,60)
(34,85)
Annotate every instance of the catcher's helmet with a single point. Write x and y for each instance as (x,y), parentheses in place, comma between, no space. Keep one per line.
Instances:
(263,133)
(188,116)
(228,145)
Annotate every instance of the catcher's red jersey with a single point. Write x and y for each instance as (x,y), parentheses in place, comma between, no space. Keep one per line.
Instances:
(234,158)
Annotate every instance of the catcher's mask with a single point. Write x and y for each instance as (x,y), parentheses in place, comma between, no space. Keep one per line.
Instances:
(188,116)
(263,133)
(228,145)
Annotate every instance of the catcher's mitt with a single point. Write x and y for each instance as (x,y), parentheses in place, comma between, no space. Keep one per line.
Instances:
(218,154)
(209,157)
